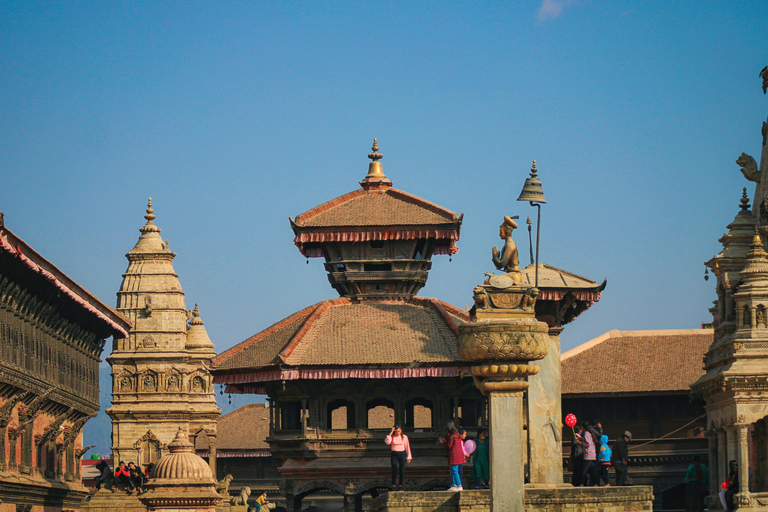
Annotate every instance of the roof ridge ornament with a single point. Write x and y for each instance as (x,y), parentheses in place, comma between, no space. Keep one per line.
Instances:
(375,179)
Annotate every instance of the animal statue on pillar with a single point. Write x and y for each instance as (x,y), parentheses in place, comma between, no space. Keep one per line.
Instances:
(753,172)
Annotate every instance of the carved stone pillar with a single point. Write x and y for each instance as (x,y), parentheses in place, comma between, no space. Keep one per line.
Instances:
(212,453)
(714,463)
(721,470)
(743,458)
(731,445)
(506,450)
(500,343)
(544,413)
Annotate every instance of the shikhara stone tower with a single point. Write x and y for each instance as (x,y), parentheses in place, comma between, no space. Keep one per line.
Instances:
(160,380)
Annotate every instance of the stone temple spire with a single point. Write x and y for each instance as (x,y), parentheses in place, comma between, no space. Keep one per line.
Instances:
(160,376)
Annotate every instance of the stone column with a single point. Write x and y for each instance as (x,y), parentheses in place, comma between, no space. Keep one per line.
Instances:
(212,453)
(731,446)
(721,470)
(743,458)
(506,450)
(500,343)
(544,413)
(714,464)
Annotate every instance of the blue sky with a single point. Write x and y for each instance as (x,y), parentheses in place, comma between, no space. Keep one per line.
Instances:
(235,115)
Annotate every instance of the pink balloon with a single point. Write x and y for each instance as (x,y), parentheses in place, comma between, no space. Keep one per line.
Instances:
(470,446)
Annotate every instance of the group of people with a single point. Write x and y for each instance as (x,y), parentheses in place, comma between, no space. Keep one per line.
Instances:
(127,475)
(454,443)
(591,457)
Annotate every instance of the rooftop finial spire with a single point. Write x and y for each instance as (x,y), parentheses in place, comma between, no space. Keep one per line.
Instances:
(533,169)
(375,156)
(744,200)
(150,211)
(149,226)
(375,179)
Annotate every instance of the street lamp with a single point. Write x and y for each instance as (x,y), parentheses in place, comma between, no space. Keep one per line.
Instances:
(533,194)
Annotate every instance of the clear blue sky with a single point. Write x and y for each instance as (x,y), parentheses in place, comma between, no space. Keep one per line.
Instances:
(233,116)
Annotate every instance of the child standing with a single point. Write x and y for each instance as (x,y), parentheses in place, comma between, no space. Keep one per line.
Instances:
(481,461)
(452,442)
(605,460)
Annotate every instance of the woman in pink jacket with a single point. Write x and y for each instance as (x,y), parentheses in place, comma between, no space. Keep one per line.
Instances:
(401,453)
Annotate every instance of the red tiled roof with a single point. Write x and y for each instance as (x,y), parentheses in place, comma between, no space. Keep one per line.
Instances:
(114,323)
(636,362)
(391,207)
(341,332)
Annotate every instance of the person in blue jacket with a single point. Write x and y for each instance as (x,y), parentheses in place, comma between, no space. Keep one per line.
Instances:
(605,460)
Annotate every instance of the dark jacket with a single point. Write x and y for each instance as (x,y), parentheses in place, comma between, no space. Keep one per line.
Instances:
(620,451)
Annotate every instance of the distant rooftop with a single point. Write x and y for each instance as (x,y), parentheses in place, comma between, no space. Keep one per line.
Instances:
(632,362)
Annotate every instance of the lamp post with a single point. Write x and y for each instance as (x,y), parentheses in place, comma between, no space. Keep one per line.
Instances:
(533,193)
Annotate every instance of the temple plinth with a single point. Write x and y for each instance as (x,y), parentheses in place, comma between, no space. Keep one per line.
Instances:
(502,339)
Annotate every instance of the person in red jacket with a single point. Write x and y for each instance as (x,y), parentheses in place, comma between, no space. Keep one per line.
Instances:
(452,442)
(123,476)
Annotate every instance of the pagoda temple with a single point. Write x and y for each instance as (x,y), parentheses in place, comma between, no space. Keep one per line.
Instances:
(332,368)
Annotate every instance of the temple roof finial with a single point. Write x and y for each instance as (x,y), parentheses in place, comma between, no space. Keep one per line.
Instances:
(744,202)
(533,169)
(150,217)
(375,156)
(375,179)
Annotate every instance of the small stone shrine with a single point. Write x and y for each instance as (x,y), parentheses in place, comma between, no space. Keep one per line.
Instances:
(181,481)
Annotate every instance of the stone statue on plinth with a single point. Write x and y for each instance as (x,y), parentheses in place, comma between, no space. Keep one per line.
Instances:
(507,259)
(753,172)
(500,342)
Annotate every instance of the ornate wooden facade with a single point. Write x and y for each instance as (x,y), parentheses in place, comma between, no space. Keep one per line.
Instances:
(52,332)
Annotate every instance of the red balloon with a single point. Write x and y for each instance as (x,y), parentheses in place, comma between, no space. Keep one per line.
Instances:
(570,420)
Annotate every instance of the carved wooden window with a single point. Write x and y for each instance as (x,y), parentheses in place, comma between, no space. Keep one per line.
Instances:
(290,415)
(350,250)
